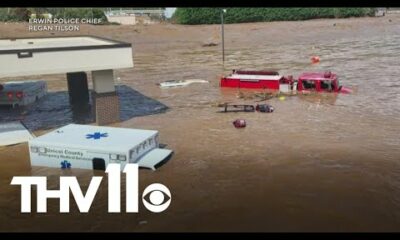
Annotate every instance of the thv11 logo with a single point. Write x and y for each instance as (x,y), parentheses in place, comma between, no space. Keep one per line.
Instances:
(156,197)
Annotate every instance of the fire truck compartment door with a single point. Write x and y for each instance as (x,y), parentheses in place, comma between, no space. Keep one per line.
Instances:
(152,158)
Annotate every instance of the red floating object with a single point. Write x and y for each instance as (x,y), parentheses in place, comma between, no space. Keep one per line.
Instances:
(315,59)
(239,123)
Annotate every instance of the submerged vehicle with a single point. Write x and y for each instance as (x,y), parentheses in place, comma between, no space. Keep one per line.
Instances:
(180,83)
(21,93)
(266,79)
(15,132)
(94,147)
(272,80)
(320,82)
(266,108)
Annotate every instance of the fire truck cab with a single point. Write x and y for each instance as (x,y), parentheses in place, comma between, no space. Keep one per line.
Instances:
(320,82)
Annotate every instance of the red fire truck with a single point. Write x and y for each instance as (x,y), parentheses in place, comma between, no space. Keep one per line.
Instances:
(319,82)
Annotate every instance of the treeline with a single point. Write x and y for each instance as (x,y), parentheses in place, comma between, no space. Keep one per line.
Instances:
(23,14)
(241,15)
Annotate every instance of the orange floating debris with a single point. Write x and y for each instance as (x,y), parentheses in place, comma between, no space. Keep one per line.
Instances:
(315,59)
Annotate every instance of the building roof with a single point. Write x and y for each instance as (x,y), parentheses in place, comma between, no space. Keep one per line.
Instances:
(55,55)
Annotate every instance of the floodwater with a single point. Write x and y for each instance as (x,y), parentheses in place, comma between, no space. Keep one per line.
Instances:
(318,163)
(56,104)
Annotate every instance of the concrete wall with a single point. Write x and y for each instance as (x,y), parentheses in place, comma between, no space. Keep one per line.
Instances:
(131,19)
(103,81)
(124,20)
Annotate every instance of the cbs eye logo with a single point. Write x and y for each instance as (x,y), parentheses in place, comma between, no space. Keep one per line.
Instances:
(156,197)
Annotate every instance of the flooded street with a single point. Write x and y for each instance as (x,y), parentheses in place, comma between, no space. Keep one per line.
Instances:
(323,162)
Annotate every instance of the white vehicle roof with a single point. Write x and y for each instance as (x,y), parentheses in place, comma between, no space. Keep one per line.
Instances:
(255,77)
(21,85)
(90,137)
(154,157)
(14,133)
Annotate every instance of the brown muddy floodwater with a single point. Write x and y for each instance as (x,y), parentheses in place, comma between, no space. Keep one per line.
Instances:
(318,163)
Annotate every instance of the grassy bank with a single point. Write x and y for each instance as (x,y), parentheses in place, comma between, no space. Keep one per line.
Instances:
(240,15)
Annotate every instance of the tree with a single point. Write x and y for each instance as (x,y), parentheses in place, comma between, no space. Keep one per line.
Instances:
(21,14)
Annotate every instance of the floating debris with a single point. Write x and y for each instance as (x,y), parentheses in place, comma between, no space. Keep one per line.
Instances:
(264,108)
(315,59)
(239,123)
(210,44)
(237,107)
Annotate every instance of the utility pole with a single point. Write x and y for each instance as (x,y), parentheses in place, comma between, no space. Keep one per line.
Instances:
(222,33)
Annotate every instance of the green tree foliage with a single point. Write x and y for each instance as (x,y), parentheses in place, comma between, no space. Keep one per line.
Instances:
(79,13)
(241,15)
(14,14)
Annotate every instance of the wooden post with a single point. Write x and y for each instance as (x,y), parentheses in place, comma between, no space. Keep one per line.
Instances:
(222,33)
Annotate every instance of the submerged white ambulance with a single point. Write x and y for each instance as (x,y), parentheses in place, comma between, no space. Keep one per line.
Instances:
(93,147)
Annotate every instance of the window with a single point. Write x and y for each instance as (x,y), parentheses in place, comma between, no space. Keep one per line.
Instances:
(307,84)
(327,85)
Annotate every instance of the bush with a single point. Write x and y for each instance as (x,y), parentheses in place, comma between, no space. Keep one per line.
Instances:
(240,15)
(80,13)
(3,15)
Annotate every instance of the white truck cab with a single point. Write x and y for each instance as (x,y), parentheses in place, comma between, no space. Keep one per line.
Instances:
(94,147)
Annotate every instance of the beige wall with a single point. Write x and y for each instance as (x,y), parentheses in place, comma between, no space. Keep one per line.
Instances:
(131,20)
(124,20)
(103,81)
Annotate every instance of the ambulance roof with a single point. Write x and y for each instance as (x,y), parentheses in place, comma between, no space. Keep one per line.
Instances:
(90,137)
